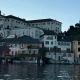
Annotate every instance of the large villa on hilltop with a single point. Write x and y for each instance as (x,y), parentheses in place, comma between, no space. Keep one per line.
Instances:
(12,25)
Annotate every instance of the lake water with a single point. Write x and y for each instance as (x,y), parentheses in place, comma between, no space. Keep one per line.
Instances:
(24,71)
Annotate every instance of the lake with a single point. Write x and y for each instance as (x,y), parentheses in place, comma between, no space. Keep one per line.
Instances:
(25,71)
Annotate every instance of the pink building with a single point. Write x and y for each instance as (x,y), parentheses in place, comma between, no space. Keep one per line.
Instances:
(19,45)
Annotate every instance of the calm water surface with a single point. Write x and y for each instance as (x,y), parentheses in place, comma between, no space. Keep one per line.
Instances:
(24,71)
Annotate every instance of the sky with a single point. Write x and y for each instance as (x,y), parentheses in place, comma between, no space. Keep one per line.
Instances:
(65,11)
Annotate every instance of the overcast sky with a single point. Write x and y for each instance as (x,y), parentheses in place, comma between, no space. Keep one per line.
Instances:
(65,11)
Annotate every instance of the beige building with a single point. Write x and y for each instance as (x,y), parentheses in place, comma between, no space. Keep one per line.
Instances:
(76,49)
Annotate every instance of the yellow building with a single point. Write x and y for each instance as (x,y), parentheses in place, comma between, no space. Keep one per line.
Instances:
(76,49)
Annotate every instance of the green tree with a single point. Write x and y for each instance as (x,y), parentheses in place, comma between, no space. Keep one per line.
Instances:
(29,47)
(71,27)
(42,52)
(55,50)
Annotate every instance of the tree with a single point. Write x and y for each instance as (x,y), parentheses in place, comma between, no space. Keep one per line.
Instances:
(29,47)
(71,27)
(42,52)
(7,50)
(55,49)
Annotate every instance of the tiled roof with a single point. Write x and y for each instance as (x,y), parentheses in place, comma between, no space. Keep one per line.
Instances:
(49,32)
(21,40)
(63,38)
(14,17)
(27,39)
(30,21)
(41,20)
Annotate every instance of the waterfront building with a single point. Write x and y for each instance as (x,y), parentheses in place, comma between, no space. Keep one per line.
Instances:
(19,45)
(76,48)
(63,43)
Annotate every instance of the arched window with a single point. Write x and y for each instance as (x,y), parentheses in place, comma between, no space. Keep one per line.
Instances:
(64,55)
(69,55)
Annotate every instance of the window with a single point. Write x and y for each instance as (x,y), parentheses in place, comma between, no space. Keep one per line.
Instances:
(69,55)
(46,42)
(43,23)
(29,51)
(24,24)
(16,21)
(8,19)
(79,49)
(22,52)
(38,51)
(16,45)
(78,43)
(55,37)
(34,52)
(32,24)
(22,45)
(5,19)
(58,43)
(64,55)
(23,33)
(49,38)
(51,42)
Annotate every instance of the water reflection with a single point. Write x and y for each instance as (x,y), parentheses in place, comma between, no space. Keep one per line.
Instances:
(26,71)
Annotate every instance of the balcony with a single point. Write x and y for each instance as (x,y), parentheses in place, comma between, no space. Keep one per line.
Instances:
(59,50)
(35,47)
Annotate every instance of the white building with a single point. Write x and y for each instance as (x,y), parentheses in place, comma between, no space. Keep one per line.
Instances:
(48,24)
(12,25)
(63,44)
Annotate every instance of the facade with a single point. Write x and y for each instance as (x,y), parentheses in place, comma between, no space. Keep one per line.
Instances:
(76,49)
(63,44)
(47,24)
(19,46)
(61,57)
(11,25)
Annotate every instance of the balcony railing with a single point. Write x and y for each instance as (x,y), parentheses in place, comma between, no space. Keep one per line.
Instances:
(63,51)
(34,47)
